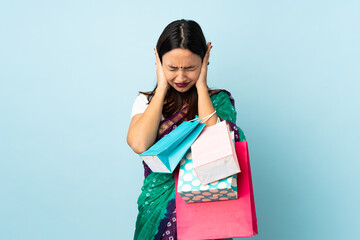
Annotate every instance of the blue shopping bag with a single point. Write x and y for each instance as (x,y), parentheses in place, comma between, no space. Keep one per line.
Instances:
(165,154)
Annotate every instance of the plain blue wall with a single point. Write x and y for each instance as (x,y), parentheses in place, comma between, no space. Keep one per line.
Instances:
(70,71)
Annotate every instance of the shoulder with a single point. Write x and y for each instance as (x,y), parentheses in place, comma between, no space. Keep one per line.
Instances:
(141,97)
(140,104)
(141,100)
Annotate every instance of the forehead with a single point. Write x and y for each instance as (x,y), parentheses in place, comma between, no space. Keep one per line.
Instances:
(181,57)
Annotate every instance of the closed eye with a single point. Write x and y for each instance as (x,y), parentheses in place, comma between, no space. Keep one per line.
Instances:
(173,70)
(189,68)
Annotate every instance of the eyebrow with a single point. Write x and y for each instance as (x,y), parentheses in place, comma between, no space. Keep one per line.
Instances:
(184,67)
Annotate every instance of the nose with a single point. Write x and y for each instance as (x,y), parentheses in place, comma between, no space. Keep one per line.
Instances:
(182,75)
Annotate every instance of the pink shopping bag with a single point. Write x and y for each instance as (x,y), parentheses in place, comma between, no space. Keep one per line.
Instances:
(220,219)
(213,154)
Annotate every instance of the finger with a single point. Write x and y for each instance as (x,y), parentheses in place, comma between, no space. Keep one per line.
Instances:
(158,62)
(207,55)
(209,48)
(157,56)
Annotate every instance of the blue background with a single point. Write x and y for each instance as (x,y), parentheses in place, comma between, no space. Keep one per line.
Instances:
(70,71)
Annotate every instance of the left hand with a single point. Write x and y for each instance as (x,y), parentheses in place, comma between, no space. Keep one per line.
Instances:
(202,82)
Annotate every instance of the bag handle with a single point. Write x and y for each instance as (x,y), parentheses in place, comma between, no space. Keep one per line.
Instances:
(208,117)
(218,120)
(205,118)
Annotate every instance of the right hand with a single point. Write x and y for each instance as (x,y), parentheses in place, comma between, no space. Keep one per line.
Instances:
(161,80)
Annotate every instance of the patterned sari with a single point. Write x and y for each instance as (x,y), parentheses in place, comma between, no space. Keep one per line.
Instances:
(156,204)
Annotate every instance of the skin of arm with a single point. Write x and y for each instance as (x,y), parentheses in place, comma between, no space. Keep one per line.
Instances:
(143,127)
(205,106)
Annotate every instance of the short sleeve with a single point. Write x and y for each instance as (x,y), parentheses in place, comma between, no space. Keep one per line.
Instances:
(140,104)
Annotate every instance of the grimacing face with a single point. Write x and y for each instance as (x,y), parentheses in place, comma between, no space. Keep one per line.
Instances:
(181,68)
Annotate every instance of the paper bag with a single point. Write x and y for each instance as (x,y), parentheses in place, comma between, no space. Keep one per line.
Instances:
(220,219)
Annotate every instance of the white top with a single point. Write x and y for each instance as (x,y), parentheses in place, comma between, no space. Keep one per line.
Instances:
(140,105)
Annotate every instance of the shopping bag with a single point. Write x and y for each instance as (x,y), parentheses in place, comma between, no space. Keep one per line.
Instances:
(190,188)
(165,154)
(214,155)
(220,219)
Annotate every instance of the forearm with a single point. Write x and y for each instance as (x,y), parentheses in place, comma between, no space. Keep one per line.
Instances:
(142,134)
(205,106)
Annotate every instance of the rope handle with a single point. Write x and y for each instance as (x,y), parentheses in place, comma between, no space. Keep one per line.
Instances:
(205,118)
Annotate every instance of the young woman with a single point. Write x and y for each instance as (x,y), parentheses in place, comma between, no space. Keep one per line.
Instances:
(181,93)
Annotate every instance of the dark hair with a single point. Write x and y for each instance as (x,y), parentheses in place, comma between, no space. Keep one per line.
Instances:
(185,34)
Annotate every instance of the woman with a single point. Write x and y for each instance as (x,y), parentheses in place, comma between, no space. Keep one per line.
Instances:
(181,93)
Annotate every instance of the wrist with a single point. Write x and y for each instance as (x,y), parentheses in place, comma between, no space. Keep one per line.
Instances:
(162,88)
(201,88)
(161,91)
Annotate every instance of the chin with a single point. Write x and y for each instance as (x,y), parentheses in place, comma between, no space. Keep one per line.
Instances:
(182,89)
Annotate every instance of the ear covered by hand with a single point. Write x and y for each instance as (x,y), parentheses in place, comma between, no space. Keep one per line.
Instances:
(202,82)
(161,80)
